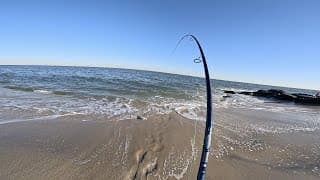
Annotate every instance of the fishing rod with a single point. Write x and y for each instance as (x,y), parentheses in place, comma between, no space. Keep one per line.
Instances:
(209,121)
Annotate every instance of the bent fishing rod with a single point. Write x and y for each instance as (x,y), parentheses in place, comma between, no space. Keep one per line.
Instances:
(209,121)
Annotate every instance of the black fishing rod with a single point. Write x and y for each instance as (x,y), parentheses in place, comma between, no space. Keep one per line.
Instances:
(209,121)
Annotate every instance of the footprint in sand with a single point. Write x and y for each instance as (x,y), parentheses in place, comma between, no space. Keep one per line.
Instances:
(146,161)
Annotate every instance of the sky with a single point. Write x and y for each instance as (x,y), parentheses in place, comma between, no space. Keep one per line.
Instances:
(275,42)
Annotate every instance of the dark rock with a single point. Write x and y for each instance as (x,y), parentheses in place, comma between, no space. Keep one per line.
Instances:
(307,99)
(303,95)
(246,93)
(276,91)
(141,117)
(229,92)
(281,95)
(262,93)
(285,96)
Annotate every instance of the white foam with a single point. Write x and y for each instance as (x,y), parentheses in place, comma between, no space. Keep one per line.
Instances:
(42,91)
(50,117)
(125,108)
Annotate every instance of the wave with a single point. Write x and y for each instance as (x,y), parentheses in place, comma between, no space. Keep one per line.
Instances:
(7,75)
(62,93)
(20,88)
(4,81)
(88,90)
(39,90)
(115,105)
(42,91)
(49,117)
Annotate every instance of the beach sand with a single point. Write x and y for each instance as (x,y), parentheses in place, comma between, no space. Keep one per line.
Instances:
(160,147)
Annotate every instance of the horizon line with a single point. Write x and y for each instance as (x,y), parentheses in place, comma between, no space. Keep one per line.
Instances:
(152,70)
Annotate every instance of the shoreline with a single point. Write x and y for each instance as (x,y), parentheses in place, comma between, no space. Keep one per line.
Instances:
(162,147)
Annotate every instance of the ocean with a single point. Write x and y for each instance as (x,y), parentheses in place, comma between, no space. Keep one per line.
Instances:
(47,92)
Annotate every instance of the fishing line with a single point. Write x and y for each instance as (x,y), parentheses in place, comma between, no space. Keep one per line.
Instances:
(194,148)
(196,60)
(209,121)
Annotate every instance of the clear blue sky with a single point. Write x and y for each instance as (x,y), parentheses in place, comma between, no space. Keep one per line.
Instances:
(263,41)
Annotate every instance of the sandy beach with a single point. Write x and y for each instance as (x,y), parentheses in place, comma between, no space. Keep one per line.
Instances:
(160,147)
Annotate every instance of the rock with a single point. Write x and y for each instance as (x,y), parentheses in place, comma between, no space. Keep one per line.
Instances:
(140,117)
(276,91)
(285,96)
(229,92)
(307,99)
(276,94)
(262,93)
(246,93)
(301,95)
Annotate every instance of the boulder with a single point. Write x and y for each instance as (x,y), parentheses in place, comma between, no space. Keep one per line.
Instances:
(262,93)
(282,95)
(229,92)
(140,117)
(307,99)
(246,93)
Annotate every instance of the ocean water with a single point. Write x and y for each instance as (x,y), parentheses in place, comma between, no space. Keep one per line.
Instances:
(47,92)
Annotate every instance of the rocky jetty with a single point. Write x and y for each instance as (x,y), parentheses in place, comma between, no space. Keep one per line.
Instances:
(281,95)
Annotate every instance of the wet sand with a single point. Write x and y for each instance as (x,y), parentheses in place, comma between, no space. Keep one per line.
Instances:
(160,147)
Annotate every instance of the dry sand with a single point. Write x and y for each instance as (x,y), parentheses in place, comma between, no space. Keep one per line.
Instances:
(161,147)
